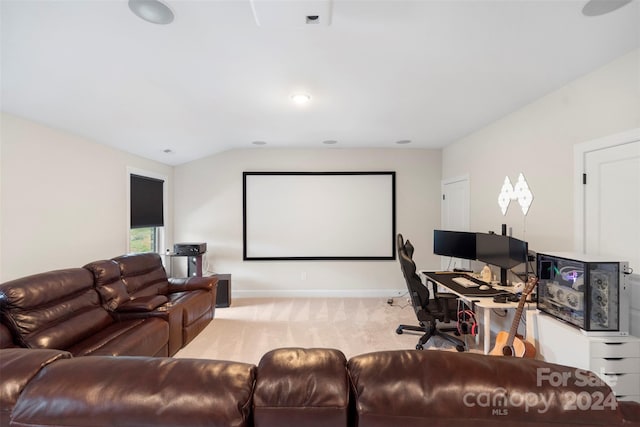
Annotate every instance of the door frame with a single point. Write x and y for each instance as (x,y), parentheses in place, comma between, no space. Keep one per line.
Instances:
(580,152)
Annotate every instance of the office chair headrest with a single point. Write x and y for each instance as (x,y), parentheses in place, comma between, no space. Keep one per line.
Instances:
(408,248)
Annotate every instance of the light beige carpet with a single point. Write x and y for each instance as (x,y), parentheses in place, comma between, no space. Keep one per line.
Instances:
(253,326)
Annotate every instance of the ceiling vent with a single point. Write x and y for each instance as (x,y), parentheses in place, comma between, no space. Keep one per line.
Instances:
(292,13)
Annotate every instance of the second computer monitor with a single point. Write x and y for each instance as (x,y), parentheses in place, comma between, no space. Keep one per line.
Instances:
(501,251)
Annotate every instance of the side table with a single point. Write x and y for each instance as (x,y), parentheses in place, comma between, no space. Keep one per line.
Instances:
(223,294)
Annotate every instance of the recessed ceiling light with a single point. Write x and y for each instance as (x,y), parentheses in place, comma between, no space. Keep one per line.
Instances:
(330,142)
(301,98)
(153,11)
(259,143)
(403,141)
(601,7)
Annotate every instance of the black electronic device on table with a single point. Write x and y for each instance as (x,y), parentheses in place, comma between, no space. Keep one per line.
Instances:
(502,251)
(456,244)
(499,250)
(186,249)
(193,252)
(506,297)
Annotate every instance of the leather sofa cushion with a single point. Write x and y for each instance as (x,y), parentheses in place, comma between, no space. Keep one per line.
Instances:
(130,391)
(302,387)
(135,337)
(113,295)
(143,274)
(112,290)
(19,366)
(53,309)
(6,339)
(437,388)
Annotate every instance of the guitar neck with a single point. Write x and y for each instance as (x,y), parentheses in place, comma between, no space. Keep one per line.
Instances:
(516,320)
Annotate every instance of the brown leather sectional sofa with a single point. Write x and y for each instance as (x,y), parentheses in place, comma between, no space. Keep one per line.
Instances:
(303,387)
(125,306)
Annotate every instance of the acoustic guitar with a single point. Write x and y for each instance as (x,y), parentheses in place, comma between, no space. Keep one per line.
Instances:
(508,343)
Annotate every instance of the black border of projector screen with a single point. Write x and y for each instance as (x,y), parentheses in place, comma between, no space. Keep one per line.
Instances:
(299,216)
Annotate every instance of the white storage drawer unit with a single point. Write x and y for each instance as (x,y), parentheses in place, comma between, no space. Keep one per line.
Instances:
(616,359)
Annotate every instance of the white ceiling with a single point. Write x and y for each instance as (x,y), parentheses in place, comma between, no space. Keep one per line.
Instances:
(431,71)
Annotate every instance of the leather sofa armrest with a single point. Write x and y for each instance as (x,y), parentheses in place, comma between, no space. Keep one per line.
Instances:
(207,283)
(142,304)
(18,367)
(302,387)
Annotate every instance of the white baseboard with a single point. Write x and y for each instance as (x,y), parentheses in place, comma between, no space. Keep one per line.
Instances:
(319,293)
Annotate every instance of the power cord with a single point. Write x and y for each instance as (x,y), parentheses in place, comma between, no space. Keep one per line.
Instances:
(391,301)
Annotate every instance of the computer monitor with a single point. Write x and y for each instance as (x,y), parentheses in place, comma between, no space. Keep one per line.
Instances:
(501,251)
(456,244)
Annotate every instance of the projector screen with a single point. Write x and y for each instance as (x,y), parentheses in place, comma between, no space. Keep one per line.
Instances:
(318,216)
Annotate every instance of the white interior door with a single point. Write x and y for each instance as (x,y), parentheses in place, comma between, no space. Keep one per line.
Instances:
(611,200)
(455,214)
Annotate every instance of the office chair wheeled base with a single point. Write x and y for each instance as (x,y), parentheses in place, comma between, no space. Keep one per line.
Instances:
(432,331)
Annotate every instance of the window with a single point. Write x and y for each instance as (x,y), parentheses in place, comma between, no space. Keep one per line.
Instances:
(147,213)
(144,239)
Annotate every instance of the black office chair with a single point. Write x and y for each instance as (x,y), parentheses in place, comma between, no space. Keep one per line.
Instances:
(428,311)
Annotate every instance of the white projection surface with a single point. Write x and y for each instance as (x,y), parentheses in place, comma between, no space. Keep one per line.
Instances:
(319,215)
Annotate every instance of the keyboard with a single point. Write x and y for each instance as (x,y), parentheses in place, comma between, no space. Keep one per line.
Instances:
(467,283)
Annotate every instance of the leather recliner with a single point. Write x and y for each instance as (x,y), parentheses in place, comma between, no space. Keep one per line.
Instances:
(303,387)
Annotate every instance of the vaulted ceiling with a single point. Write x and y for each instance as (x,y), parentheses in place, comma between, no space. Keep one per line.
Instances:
(217,78)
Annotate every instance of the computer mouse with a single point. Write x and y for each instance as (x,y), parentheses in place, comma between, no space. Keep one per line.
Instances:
(484,287)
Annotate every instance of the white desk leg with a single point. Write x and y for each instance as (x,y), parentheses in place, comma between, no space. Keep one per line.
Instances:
(487,329)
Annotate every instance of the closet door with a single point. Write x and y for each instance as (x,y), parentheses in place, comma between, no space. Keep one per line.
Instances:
(455,215)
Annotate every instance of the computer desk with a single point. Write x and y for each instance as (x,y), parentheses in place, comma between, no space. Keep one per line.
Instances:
(483,300)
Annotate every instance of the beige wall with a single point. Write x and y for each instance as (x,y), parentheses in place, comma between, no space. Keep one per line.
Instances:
(208,207)
(538,141)
(63,198)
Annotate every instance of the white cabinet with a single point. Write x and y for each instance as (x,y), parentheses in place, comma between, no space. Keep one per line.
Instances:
(616,359)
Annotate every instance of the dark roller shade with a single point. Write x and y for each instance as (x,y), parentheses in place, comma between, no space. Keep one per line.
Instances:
(146,202)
